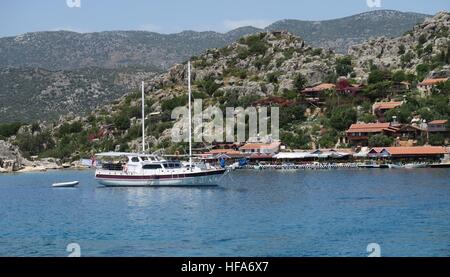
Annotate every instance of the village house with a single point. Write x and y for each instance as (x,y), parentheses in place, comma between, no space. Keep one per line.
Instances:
(437,126)
(344,87)
(215,154)
(261,148)
(380,108)
(359,133)
(427,85)
(314,95)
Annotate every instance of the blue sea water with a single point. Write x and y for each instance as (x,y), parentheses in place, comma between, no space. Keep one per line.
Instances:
(252,213)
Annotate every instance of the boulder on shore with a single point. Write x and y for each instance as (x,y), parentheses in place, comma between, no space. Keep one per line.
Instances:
(10,157)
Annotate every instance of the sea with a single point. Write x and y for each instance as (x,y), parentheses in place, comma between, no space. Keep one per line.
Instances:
(274,213)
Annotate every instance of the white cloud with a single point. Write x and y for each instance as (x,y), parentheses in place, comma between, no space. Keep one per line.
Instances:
(258,23)
(70,29)
(150,28)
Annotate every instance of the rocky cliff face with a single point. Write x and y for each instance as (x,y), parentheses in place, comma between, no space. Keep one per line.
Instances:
(425,43)
(262,64)
(10,157)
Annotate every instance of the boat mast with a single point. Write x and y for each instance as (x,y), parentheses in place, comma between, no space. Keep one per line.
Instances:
(143,120)
(189,116)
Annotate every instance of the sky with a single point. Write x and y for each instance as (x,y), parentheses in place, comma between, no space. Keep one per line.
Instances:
(172,16)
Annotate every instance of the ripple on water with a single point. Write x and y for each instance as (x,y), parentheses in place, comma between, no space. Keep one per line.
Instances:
(253,213)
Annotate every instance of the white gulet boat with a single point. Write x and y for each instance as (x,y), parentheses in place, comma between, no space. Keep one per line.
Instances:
(140,169)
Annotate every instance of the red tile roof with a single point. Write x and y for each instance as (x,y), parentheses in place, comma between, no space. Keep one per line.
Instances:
(250,146)
(368,127)
(320,87)
(431,82)
(440,121)
(222,151)
(386,105)
(417,150)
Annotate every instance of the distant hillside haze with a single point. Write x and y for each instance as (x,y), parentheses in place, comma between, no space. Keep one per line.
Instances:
(340,34)
(62,50)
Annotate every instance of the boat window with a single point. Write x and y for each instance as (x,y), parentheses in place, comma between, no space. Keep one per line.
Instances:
(172,165)
(135,159)
(112,166)
(144,158)
(152,166)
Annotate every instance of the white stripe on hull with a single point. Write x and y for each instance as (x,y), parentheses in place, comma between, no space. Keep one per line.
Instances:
(211,180)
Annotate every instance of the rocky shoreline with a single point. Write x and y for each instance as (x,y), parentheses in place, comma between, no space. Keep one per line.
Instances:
(12,161)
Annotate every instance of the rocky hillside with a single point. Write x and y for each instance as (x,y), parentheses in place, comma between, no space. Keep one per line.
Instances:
(69,50)
(426,45)
(340,34)
(53,73)
(273,63)
(28,95)
(239,75)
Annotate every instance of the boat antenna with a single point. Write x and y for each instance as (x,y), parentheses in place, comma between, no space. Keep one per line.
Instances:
(143,120)
(189,116)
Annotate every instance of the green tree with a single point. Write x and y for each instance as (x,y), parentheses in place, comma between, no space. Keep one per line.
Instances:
(378,90)
(170,104)
(9,129)
(299,82)
(295,140)
(291,115)
(422,71)
(422,39)
(70,128)
(209,86)
(399,76)
(406,59)
(344,66)
(34,144)
(272,77)
(443,88)
(328,139)
(380,140)
(342,117)
(377,76)
(121,121)
(436,139)
(255,43)
(367,118)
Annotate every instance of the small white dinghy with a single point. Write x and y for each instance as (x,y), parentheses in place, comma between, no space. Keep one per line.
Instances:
(66,184)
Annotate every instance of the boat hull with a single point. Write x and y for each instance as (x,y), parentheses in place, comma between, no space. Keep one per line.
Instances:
(446,165)
(209,178)
(65,185)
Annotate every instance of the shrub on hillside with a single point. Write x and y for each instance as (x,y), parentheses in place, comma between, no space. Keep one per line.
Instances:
(380,140)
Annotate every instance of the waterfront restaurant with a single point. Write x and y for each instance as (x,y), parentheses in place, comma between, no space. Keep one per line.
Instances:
(415,153)
(315,155)
(260,151)
(261,148)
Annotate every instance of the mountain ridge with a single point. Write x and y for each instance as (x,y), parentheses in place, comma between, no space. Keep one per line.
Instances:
(57,50)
